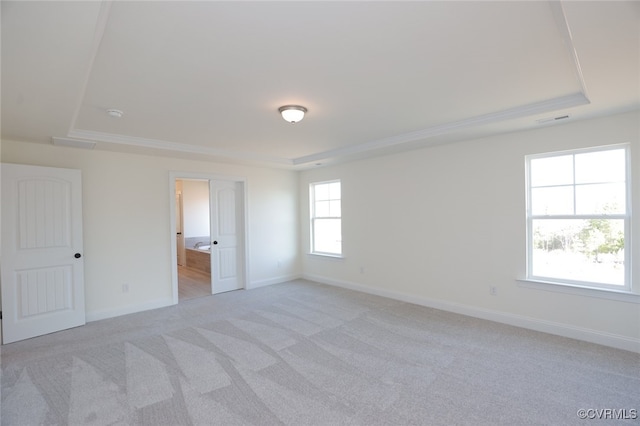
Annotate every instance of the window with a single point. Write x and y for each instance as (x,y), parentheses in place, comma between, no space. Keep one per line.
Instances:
(578,217)
(326,220)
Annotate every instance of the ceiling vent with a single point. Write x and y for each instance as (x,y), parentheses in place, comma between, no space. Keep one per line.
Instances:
(553,119)
(74,143)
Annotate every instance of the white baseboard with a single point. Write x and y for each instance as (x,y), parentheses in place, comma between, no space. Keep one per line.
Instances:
(275,280)
(161,303)
(129,309)
(559,329)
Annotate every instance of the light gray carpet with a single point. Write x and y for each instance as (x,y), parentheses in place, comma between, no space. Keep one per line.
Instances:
(301,353)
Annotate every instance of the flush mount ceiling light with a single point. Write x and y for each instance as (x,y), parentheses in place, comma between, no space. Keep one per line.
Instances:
(292,113)
(115,113)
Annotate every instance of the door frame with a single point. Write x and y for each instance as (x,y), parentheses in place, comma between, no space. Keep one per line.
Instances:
(176,175)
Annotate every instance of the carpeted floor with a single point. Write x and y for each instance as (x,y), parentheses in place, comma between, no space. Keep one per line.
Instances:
(301,353)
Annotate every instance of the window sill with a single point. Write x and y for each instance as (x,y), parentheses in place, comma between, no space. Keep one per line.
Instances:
(326,256)
(600,293)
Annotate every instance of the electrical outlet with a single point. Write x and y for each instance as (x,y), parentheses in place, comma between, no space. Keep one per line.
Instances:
(125,288)
(493,291)
(362,269)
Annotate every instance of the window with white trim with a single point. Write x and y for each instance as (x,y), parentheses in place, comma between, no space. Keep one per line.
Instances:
(326,218)
(579,216)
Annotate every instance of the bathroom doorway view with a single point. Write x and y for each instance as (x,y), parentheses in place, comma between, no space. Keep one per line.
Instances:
(209,224)
(193,238)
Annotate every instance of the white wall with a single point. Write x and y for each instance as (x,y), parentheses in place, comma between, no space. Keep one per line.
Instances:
(440,225)
(195,208)
(435,226)
(127,237)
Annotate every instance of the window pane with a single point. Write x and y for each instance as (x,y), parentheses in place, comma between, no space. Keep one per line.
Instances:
(321,192)
(552,171)
(601,166)
(322,209)
(327,236)
(334,208)
(600,198)
(579,250)
(334,190)
(552,200)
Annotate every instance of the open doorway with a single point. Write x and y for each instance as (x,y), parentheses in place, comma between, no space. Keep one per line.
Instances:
(208,224)
(193,238)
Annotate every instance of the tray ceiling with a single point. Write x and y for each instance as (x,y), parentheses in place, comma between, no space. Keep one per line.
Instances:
(205,79)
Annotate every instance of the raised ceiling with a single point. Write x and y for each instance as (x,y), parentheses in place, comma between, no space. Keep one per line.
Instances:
(205,79)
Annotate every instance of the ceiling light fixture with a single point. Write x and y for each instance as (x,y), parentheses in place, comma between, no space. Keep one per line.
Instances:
(292,113)
(115,113)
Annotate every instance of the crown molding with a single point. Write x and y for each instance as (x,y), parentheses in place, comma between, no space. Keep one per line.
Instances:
(546,106)
(111,138)
(557,9)
(101,25)
(568,101)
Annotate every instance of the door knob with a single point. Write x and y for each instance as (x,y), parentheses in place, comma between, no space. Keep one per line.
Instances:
(77,255)
(215,243)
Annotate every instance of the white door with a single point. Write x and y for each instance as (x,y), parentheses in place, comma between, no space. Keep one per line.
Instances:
(226,235)
(42,265)
(180,230)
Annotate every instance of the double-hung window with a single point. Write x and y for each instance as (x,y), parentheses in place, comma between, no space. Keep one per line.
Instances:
(578,217)
(326,218)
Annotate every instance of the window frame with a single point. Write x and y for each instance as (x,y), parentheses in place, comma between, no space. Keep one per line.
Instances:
(626,217)
(313,218)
